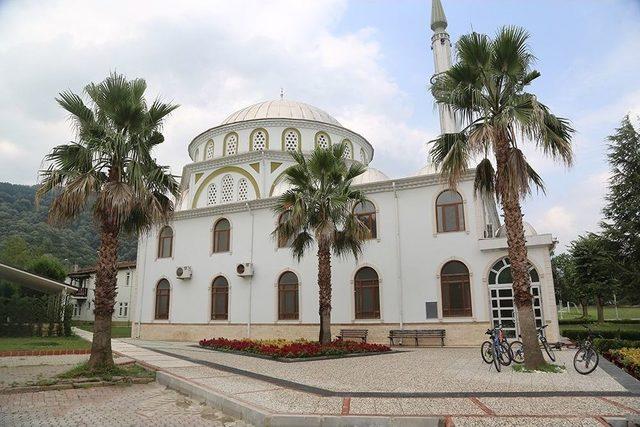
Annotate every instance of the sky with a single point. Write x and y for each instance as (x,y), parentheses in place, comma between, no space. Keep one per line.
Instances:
(366,62)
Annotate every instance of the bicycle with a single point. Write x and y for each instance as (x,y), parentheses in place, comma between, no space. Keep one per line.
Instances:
(517,349)
(495,350)
(586,358)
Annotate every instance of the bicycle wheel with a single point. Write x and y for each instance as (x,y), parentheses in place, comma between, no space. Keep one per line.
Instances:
(505,354)
(585,361)
(549,350)
(517,351)
(496,361)
(487,354)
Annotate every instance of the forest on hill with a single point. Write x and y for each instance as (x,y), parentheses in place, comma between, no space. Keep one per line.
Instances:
(76,243)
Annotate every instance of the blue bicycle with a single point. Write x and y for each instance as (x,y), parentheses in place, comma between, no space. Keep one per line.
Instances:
(496,350)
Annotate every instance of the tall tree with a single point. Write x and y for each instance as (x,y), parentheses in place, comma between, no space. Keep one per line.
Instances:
(486,91)
(567,288)
(622,210)
(319,210)
(110,163)
(595,270)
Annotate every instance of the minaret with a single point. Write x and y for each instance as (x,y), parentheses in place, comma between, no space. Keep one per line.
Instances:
(441,47)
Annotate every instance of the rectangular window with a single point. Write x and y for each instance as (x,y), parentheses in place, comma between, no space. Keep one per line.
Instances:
(120,309)
(128,279)
(126,309)
(219,303)
(367,299)
(456,299)
(288,302)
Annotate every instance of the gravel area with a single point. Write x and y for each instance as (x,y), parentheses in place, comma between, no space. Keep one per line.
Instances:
(415,370)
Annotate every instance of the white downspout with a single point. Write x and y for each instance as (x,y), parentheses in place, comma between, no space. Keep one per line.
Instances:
(398,255)
(140,286)
(250,277)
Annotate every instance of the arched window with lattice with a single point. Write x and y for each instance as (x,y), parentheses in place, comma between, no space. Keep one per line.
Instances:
(322,140)
(231,144)
(243,189)
(209,150)
(363,155)
(212,194)
(348,149)
(290,140)
(259,140)
(227,189)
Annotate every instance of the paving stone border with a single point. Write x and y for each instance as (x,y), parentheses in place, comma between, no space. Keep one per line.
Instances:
(61,352)
(76,383)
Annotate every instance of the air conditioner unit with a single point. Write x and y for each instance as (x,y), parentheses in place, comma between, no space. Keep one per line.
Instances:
(183,272)
(244,269)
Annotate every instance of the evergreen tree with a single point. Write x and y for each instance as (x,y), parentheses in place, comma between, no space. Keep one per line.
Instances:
(622,210)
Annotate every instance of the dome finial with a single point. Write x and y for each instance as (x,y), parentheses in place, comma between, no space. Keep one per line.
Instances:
(281,93)
(438,19)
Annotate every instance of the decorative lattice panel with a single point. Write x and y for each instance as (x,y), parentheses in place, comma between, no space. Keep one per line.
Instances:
(232,145)
(291,141)
(243,189)
(363,155)
(227,189)
(347,151)
(322,141)
(209,152)
(212,195)
(259,140)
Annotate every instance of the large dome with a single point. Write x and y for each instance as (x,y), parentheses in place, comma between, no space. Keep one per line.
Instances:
(281,109)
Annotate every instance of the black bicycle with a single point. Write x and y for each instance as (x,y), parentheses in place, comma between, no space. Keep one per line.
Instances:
(516,349)
(495,350)
(586,358)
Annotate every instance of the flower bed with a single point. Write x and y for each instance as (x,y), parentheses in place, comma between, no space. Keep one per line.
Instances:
(627,359)
(299,349)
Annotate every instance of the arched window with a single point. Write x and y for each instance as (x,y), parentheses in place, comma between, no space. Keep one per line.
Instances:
(212,194)
(348,149)
(197,154)
(163,294)
(209,150)
(367,294)
(366,212)
(221,235)
(227,189)
(449,212)
(243,189)
(288,296)
(259,140)
(282,242)
(219,299)
(363,155)
(165,242)
(456,290)
(322,140)
(290,140)
(231,144)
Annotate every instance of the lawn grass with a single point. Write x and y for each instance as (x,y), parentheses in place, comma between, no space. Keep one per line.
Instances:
(547,367)
(83,371)
(43,343)
(118,329)
(609,313)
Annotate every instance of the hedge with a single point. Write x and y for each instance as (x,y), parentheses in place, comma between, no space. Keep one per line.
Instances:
(580,334)
(604,345)
(591,321)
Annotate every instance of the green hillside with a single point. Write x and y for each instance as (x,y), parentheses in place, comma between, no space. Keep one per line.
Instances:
(76,243)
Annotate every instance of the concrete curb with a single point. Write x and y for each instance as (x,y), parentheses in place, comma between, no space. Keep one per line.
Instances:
(260,417)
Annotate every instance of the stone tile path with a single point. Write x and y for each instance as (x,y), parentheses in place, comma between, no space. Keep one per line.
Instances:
(465,391)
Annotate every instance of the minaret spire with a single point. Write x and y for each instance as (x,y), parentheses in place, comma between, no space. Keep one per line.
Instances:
(441,47)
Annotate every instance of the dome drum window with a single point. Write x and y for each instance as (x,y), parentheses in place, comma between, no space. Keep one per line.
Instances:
(348,149)
(219,299)
(209,150)
(322,140)
(449,212)
(231,145)
(456,290)
(291,140)
(259,140)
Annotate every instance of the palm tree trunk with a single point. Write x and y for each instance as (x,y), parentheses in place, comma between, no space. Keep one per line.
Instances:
(105,294)
(324,289)
(517,251)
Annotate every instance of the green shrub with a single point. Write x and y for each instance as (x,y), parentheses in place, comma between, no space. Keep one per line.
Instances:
(591,321)
(580,334)
(604,345)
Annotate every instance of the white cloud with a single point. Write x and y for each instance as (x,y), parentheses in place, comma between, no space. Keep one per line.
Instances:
(210,57)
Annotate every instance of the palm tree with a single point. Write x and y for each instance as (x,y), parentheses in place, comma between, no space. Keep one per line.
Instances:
(319,207)
(486,91)
(109,168)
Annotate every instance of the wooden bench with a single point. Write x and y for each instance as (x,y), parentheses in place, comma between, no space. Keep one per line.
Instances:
(360,334)
(416,334)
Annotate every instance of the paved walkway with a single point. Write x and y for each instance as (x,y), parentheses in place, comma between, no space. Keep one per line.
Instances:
(450,385)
